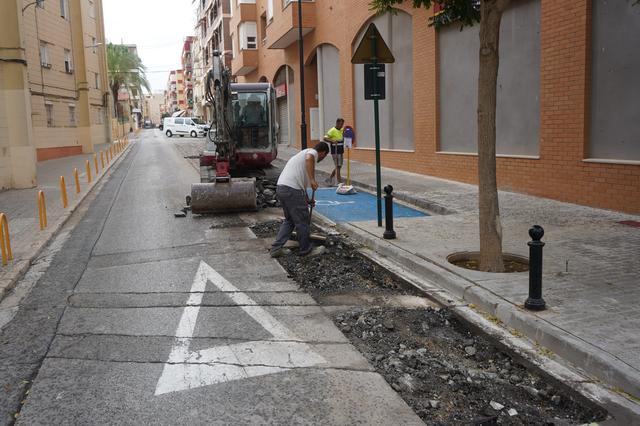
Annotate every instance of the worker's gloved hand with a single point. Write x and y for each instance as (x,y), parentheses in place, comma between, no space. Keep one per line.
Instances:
(314,185)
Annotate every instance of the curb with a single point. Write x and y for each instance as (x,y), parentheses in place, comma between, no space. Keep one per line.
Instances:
(19,268)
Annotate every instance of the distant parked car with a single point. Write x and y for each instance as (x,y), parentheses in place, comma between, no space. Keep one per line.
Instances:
(147,124)
(182,126)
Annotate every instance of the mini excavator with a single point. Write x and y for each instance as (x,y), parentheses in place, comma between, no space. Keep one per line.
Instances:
(242,141)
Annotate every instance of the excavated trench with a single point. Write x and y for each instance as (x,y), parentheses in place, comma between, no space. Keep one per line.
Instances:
(445,371)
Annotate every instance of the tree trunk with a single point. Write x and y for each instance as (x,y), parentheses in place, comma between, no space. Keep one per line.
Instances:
(114,93)
(490,227)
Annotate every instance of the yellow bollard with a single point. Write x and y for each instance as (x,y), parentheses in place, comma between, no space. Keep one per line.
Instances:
(77,179)
(87,167)
(5,240)
(42,210)
(95,163)
(63,192)
(102,159)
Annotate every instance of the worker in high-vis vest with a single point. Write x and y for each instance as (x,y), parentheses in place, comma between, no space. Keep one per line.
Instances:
(335,139)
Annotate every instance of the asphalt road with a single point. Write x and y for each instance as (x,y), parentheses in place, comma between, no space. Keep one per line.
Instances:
(143,318)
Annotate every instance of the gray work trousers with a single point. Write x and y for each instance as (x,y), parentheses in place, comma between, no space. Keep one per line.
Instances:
(296,215)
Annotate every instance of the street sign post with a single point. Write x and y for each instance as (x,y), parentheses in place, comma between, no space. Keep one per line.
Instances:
(374,51)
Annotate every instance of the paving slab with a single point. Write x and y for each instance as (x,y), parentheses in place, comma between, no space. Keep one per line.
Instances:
(156,349)
(82,392)
(306,322)
(254,273)
(211,299)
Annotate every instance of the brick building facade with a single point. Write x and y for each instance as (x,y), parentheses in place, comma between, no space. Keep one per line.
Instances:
(568,126)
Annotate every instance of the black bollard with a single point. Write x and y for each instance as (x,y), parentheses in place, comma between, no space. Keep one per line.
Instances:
(535,302)
(389,233)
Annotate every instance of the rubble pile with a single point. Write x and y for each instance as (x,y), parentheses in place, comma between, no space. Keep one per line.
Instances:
(443,370)
(266,194)
(450,376)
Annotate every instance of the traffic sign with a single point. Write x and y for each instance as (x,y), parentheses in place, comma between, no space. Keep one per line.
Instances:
(371,89)
(372,49)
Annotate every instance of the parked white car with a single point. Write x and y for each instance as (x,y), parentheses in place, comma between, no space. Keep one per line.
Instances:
(182,126)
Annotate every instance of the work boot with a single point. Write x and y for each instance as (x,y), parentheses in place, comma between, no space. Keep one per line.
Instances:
(314,251)
(282,251)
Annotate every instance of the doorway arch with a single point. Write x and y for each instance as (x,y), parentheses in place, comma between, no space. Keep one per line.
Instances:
(285,105)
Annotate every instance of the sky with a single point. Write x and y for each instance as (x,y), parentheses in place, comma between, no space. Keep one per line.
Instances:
(158,27)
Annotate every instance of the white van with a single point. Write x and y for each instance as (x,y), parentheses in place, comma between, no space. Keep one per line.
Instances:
(183,126)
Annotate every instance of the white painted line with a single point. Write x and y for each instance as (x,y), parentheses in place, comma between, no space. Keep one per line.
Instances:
(186,369)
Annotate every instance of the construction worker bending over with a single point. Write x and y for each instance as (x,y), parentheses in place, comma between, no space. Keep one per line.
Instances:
(335,137)
(298,174)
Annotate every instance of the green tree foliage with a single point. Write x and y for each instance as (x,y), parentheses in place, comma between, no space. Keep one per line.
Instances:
(125,70)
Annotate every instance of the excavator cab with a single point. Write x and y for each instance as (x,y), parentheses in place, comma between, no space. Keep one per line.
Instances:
(255,129)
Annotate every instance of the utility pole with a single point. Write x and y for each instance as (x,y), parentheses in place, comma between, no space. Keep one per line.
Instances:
(303,120)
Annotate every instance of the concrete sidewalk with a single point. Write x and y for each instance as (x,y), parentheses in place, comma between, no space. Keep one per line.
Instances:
(20,207)
(591,267)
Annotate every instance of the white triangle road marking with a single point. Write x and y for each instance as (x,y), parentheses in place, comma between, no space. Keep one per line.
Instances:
(186,369)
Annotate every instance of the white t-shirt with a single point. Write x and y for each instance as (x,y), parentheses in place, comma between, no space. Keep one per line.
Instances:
(294,174)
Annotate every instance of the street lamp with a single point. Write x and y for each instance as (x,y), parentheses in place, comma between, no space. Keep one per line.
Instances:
(303,120)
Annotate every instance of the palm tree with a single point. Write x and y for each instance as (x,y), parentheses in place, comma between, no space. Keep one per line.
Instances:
(125,70)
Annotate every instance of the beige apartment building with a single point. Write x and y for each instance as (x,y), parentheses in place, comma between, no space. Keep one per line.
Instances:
(54,97)
(153,107)
(175,95)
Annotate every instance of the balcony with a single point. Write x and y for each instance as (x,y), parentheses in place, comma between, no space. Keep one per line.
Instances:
(242,13)
(283,30)
(245,62)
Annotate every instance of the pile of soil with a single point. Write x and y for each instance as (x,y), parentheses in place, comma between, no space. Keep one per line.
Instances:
(443,370)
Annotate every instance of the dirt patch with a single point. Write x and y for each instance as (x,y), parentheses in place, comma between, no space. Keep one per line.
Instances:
(342,270)
(471,260)
(444,371)
(267,229)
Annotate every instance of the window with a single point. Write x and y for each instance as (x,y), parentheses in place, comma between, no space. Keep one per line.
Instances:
(248,36)
(99,115)
(72,115)
(68,64)
(49,110)
(64,9)
(40,4)
(179,120)
(92,10)
(44,55)
(97,80)
(94,43)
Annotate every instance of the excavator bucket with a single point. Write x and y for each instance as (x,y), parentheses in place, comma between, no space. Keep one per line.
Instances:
(236,195)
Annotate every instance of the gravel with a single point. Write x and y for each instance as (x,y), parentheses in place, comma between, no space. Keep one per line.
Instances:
(444,371)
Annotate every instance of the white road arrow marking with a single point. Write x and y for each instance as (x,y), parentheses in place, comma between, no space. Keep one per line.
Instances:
(186,369)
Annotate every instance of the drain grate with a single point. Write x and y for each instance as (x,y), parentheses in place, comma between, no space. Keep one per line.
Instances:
(633,223)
